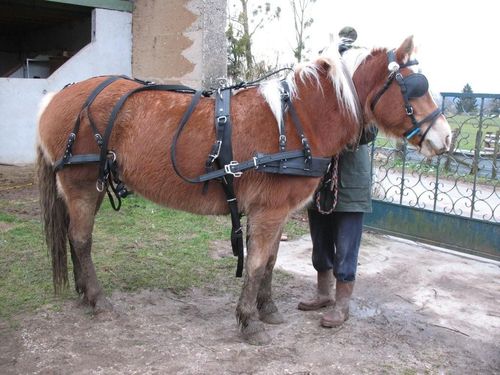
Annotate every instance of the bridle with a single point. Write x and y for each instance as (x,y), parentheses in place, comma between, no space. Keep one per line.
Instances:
(412,86)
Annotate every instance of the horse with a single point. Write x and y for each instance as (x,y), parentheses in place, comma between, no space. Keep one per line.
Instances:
(332,103)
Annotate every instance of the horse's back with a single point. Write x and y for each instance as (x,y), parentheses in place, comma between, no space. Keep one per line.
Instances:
(61,111)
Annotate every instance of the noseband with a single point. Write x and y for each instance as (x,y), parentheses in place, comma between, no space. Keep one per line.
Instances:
(413,86)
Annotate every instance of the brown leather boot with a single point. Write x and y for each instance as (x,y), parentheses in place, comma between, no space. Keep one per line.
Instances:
(323,296)
(340,311)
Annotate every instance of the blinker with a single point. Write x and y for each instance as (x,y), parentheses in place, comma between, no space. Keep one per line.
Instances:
(416,85)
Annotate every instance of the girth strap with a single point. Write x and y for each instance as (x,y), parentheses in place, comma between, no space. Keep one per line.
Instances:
(221,153)
(223,132)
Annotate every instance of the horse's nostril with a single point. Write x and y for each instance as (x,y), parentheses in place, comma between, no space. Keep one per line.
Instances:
(447,142)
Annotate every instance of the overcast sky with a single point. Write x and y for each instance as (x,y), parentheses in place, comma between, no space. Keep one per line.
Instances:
(459,42)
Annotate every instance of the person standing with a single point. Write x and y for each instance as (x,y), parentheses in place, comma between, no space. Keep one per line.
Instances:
(336,222)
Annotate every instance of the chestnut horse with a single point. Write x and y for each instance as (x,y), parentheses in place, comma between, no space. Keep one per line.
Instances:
(331,110)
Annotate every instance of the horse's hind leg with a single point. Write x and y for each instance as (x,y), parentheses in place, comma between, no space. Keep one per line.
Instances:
(82,205)
(77,271)
(265,228)
(268,312)
(79,276)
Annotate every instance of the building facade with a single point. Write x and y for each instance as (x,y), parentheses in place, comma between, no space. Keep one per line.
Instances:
(46,44)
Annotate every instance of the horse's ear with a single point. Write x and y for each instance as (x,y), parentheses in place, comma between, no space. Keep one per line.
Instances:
(325,64)
(404,52)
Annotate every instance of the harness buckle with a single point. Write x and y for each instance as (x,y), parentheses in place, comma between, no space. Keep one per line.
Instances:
(282,139)
(222,119)
(98,139)
(215,155)
(409,110)
(228,168)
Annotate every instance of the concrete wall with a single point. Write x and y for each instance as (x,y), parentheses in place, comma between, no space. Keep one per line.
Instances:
(110,52)
(180,41)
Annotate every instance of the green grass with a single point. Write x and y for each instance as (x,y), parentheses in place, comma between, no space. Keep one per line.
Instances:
(468,127)
(25,280)
(141,246)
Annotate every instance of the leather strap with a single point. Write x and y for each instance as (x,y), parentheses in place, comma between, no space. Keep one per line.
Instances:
(223,132)
(114,114)
(294,165)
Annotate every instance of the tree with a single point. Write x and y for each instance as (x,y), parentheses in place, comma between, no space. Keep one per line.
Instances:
(301,21)
(241,29)
(467,103)
(494,107)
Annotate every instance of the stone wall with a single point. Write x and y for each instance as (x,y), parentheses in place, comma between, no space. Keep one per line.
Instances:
(179,41)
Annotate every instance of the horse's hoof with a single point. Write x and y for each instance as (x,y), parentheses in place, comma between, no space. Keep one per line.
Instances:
(104,310)
(254,334)
(268,313)
(258,339)
(272,318)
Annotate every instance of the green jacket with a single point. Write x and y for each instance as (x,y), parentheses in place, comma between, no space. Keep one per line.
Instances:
(354,184)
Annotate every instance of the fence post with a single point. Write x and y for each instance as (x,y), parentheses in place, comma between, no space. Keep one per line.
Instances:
(475,162)
(495,155)
(453,145)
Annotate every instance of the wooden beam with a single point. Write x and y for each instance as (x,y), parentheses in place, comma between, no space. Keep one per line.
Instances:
(122,5)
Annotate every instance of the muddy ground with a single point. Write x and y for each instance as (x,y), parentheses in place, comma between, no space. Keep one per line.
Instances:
(416,310)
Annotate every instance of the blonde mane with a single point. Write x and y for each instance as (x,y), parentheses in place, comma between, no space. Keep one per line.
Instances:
(338,74)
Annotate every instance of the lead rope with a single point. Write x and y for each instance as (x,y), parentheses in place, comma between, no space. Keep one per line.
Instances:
(328,187)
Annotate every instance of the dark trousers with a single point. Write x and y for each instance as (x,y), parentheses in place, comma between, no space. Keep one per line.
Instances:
(336,238)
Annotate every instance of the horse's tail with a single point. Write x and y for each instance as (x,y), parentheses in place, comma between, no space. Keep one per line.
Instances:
(55,220)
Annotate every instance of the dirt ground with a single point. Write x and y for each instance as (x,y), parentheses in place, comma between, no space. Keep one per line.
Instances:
(416,310)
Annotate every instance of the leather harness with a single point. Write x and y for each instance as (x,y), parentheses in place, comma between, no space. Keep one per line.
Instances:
(219,165)
(412,86)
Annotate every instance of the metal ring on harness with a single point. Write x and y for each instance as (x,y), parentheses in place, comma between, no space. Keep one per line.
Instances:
(100,185)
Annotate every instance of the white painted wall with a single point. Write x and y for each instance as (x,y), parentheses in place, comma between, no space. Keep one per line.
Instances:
(110,52)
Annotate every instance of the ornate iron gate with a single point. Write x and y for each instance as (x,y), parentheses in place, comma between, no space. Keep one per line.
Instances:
(452,200)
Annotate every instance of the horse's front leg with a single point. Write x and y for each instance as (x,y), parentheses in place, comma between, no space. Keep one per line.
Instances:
(264,232)
(268,311)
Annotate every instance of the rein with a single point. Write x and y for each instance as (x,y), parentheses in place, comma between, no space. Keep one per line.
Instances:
(413,86)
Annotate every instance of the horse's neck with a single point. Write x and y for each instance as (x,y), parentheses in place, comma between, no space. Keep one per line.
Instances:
(367,78)
(328,126)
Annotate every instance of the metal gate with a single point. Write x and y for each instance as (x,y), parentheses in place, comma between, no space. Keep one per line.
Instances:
(452,200)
